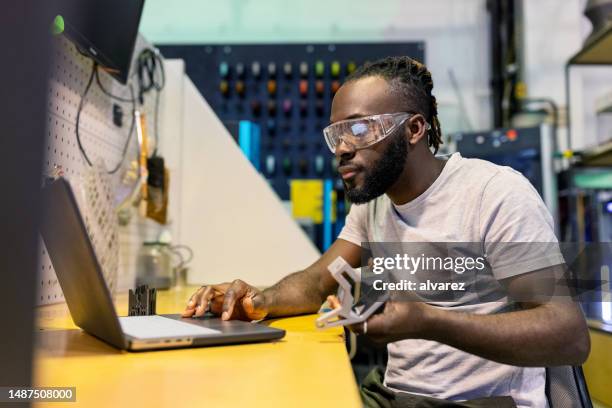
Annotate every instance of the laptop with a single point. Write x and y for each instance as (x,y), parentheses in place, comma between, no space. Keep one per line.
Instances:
(89,300)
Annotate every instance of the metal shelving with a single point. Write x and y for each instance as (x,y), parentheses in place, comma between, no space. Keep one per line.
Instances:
(597,51)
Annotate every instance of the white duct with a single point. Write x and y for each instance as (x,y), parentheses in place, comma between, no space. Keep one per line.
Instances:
(221,206)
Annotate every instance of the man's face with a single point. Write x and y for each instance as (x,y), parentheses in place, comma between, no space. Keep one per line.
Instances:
(370,172)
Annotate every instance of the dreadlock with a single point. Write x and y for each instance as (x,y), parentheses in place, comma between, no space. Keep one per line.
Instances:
(413,82)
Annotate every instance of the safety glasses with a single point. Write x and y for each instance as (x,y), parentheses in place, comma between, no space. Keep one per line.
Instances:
(363,132)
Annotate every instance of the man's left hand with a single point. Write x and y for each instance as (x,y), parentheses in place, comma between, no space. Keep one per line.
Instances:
(398,321)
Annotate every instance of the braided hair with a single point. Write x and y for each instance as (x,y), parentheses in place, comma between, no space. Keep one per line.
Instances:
(413,82)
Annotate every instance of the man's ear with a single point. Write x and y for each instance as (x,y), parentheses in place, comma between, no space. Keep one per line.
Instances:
(416,129)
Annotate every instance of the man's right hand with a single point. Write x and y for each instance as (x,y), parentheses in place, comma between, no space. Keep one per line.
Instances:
(235,300)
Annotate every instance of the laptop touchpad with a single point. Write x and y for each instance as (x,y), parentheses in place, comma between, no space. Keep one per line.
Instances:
(153,327)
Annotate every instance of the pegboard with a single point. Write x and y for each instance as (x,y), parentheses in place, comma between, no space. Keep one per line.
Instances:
(104,142)
(285,88)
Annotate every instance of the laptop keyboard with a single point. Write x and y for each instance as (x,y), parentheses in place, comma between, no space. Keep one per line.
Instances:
(153,327)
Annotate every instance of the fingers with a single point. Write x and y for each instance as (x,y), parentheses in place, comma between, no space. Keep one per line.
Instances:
(204,301)
(236,292)
(371,327)
(199,302)
(236,300)
(216,304)
(359,328)
(334,302)
(190,309)
(375,327)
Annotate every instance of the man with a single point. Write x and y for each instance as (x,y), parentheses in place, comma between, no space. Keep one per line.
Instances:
(401,192)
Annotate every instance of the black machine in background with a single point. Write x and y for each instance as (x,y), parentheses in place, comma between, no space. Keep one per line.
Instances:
(580,200)
(527,150)
(105,30)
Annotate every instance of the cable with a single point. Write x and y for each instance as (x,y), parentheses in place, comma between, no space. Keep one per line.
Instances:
(107,92)
(129,137)
(98,78)
(147,65)
(94,73)
(185,247)
(156,122)
(553,112)
(175,249)
(78,115)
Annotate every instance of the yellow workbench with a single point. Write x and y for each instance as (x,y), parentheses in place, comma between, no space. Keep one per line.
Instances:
(598,367)
(307,368)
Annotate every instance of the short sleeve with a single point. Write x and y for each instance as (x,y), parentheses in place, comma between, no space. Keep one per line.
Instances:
(354,229)
(516,227)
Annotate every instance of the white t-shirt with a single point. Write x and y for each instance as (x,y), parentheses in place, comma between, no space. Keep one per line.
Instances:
(471,201)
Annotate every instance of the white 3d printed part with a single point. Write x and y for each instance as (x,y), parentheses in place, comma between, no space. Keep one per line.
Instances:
(347,313)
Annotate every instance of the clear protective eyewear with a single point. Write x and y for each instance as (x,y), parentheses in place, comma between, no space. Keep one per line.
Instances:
(363,132)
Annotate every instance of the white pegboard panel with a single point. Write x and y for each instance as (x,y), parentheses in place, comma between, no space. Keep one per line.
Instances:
(104,143)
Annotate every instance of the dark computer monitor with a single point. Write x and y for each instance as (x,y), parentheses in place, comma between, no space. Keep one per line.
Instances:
(105,30)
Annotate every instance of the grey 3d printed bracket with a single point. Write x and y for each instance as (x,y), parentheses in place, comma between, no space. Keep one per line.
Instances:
(348,313)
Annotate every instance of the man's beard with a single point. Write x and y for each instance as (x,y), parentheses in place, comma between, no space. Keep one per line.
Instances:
(383,174)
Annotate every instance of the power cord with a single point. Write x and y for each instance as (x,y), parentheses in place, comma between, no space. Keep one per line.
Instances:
(148,63)
(176,250)
(104,91)
(94,74)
